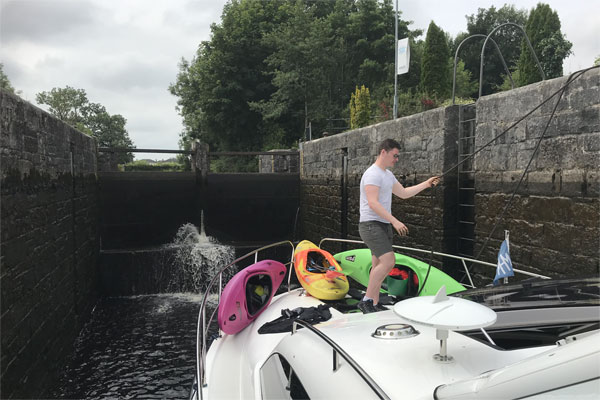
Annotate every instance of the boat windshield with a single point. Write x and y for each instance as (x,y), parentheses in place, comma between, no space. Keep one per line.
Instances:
(537,293)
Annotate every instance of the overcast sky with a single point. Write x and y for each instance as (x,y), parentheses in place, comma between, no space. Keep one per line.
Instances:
(125,53)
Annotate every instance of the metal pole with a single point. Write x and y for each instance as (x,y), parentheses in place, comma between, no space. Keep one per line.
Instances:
(396,63)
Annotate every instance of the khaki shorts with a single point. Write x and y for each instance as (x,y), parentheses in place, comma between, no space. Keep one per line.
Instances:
(377,236)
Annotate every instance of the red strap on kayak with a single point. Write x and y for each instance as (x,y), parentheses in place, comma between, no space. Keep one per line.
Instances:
(400,273)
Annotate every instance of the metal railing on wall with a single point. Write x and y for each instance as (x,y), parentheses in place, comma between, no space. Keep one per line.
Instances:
(482,62)
(274,161)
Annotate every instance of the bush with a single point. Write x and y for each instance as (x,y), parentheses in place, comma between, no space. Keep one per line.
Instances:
(234,164)
(143,165)
(360,108)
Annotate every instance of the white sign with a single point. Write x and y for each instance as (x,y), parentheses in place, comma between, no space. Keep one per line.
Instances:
(403,56)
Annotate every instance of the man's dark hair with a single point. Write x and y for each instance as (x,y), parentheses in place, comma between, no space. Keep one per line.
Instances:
(387,145)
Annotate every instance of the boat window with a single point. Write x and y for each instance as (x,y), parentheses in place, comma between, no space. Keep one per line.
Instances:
(279,381)
(258,292)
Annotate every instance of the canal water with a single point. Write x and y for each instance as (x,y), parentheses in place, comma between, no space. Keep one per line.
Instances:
(135,347)
(144,346)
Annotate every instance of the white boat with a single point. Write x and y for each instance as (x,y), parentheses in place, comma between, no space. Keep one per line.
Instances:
(536,339)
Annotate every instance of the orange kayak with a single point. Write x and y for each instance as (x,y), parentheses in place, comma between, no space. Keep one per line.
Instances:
(318,272)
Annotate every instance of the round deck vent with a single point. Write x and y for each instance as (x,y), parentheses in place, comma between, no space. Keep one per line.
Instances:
(395,331)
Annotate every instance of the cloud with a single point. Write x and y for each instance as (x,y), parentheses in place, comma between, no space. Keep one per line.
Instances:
(126,74)
(193,18)
(125,53)
(43,21)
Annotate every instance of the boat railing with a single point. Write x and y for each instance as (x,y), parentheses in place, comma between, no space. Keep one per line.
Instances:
(464,260)
(203,324)
(338,351)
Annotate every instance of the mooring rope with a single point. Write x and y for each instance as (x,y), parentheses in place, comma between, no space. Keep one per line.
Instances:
(560,92)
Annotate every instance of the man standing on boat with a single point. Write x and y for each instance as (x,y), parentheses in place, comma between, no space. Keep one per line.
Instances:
(376,220)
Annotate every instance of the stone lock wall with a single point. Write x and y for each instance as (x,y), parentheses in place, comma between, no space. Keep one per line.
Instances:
(278,163)
(428,148)
(49,244)
(554,219)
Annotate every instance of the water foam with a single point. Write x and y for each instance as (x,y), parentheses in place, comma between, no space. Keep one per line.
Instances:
(197,259)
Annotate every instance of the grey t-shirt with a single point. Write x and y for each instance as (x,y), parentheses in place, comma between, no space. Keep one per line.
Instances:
(385,180)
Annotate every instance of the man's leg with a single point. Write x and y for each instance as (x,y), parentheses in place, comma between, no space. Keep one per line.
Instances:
(374,262)
(379,271)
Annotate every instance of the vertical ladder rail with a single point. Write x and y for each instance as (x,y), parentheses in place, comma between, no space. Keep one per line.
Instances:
(466,181)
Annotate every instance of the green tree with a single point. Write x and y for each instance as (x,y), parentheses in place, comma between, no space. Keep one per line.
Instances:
(360,108)
(73,107)
(272,66)
(65,104)
(508,39)
(465,84)
(4,81)
(303,64)
(597,61)
(550,45)
(227,74)
(108,129)
(435,65)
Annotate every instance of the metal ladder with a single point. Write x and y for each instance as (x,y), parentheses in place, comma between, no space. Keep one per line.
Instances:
(466,181)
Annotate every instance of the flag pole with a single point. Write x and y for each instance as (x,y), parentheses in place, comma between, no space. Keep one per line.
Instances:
(506,235)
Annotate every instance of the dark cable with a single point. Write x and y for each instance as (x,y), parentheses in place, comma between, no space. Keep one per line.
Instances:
(560,91)
(571,78)
(569,81)
(432,205)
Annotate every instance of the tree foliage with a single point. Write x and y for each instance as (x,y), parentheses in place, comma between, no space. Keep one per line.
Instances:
(227,74)
(4,81)
(550,45)
(465,85)
(434,68)
(73,107)
(272,67)
(65,104)
(360,108)
(508,39)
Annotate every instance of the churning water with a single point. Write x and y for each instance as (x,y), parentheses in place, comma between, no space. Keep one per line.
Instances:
(144,346)
(197,259)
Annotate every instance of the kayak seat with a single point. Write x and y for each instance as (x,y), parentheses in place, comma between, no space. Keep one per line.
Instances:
(258,290)
(316,262)
(402,281)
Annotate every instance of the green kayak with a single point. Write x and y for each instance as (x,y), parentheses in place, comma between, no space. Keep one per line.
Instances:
(405,279)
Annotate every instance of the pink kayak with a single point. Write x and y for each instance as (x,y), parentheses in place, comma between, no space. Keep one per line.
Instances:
(248,294)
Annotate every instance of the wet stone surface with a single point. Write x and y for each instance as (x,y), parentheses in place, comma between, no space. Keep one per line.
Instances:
(135,347)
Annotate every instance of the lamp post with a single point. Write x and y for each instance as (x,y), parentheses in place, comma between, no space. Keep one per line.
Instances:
(396,62)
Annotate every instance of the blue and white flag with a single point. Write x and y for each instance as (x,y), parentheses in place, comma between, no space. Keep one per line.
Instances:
(504,268)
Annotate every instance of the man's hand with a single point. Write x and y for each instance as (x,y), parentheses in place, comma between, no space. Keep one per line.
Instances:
(433,181)
(400,228)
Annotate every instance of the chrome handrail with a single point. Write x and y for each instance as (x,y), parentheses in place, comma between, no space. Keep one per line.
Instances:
(338,350)
(202,327)
(464,260)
